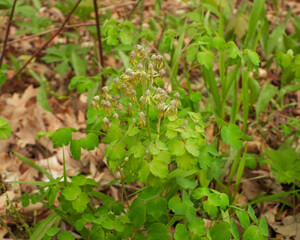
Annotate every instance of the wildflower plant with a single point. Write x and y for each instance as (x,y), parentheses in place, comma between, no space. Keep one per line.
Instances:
(151,139)
(146,138)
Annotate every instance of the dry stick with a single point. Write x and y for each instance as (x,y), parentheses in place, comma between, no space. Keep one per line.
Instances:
(7,31)
(68,26)
(46,43)
(100,54)
(130,13)
(46,32)
(20,39)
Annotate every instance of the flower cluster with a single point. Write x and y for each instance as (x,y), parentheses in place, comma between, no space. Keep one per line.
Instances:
(146,73)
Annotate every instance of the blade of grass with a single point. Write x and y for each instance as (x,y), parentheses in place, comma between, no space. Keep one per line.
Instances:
(85,233)
(234,107)
(44,225)
(211,84)
(245,88)
(65,171)
(256,13)
(176,57)
(234,166)
(34,165)
(241,168)
(273,197)
(222,65)
(37,183)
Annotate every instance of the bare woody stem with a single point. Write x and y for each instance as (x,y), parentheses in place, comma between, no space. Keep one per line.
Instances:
(49,41)
(100,55)
(7,31)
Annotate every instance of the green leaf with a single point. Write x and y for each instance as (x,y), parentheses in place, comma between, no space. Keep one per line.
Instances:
(214,199)
(171,134)
(151,192)
(118,151)
(176,147)
(192,52)
(75,148)
(252,214)
(221,231)
(61,137)
(266,94)
(137,213)
(197,226)
(211,209)
(233,50)
(42,98)
(79,224)
(231,134)
(71,193)
(224,201)
(5,129)
(159,168)
(283,59)
(206,58)
(234,229)
(161,145)
(263,226)
(144,171)
(244,218)
(153,149)
(158,231)
(52,231)
(253,232)
(181,232)
(199,193)
(192,147)
(79,180)
(157,207)
(163,156)
(80,204)
(90,142)
(185,183)
(253,56)
(186,162)
(133,131)
(126,37)
(97,233)
(139,236)
(52,194)
(219,43)
(64,235)
(175,205)
(239,25)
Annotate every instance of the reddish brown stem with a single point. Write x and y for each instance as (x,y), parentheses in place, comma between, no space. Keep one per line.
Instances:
(7,31)
(49,41)
(100,55)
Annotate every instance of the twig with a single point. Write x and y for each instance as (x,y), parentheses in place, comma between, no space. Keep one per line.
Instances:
(142,14)
(69,26)
(46,32)
(7,31)
(100,54)
(51,38)
(130,13)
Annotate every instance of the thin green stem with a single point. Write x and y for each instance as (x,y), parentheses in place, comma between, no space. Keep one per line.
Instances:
(158,126)
(3,224)
(148,122)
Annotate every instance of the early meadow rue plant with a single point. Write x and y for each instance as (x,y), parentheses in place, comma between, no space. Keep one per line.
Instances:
(150,139)
(142,123)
